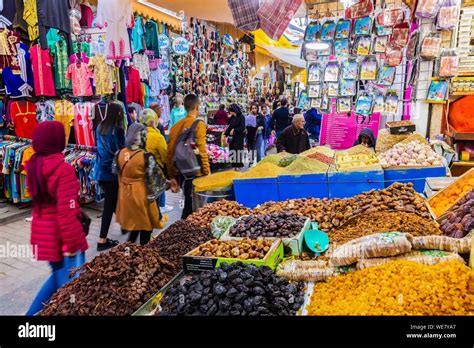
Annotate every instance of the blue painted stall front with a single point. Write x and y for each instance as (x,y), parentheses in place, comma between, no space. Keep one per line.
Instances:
(348,184)
(415,175)
(303,186)
(252,192)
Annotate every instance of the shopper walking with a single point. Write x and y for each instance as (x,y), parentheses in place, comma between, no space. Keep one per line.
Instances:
(294,139)
(110,138)
(132,114)
(260,137)
(267,132)
(281,118)
(137,211)
(251,127)
(221,118)
(235,134)
(192,104)
(57,234)
(178,112)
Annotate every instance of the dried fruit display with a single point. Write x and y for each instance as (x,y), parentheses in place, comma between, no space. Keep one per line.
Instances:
(410,154)
(281,224)
(234,289)
(114,283)
(179,239)
(310,271)
(458,245)
(321,158)
(347,161)
(386,221)
(204,216)
(287,160)
(220,225)
(332,213)
(460,220)
(398,288)
(241,249)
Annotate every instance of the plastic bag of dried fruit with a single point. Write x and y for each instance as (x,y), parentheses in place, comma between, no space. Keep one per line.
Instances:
(310,271)
(459,245)
(220,224)
(425,257)
(374,245)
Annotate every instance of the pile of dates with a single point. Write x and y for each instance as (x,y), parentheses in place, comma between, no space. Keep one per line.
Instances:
(204,216)
(460,220)
(114,283)
(234,289)
(279,225)
(236,249)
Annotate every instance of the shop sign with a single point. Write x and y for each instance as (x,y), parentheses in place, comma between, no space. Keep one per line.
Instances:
(164,65)
(163,42)
(180,46)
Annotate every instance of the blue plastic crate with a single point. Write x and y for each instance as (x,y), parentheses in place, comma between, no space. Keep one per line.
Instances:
(348,184)
(415,175)
(252,192)
(303,186)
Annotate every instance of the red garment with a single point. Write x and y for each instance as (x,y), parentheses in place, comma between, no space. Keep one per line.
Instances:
(23,115)
(56,227)
(8,50)
(134,87)
(42,63)
(83,124)
(221,118)
(87,16)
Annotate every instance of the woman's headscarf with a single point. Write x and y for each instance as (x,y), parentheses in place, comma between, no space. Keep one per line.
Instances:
(235,108)
(148,116)
(49,138)
(136,136)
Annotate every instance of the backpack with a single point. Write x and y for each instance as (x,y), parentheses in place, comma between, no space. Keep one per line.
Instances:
(184,158)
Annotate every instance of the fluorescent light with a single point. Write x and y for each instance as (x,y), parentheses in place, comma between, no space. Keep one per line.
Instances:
(253,68)
(262,68)
(317,45)
(159,8)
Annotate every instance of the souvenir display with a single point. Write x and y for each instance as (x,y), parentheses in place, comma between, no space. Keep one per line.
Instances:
(350,69)
(438,91)
(448,65)
(359,9)
(343,29)
(379,103)
(430,47)
(327,51)
(310,55)
(427,8)
(347,88)
(386,76)
(314,73)
(412,46)
(328,30)
(393,56)
(314,91)
(362,45)
(391,103)
(315,103)
(341,48)
(448,15)
(400,35)
(331,73)
(324,103)
(393,16)
(381,30)
(364,104)
(368,68)
(363,26)
(414,70)
(312,31)
(344,105)
(380,44)
(333,89)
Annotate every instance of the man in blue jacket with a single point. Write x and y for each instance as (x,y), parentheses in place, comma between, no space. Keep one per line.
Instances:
(313,123)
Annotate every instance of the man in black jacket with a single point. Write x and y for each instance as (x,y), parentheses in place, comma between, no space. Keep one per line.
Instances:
(281,118)
(294,139)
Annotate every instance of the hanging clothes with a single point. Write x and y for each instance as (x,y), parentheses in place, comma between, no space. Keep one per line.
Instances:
(97,48)
(83,124)
(19,23)
(64,113)
(87,16)
(151,37)
(134,87)
(76,57)
(83,47)
(30,16)
(138,33)
(80,75)
(23,115)
(117,15)
(45,111)
(60,64)
(8,50)
(42,70)
(20,85)
(7,13)
(52,14)
(102,75)
(142,64)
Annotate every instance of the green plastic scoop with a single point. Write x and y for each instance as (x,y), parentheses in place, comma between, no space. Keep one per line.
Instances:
(316,240)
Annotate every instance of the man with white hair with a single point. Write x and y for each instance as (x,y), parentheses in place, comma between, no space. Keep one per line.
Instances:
(294,139)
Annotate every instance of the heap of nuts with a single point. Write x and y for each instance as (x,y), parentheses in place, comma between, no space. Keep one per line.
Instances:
(204,216)
(242,249)
(322,158)
(178,239)
(114,283)
(460,220)
(332,213)
(281,224)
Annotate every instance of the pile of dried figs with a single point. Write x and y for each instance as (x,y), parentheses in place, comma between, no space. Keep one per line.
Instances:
(204,216)
(241,249)
(280,225)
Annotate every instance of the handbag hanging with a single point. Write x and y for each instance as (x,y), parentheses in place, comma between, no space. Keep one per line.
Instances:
(361,9)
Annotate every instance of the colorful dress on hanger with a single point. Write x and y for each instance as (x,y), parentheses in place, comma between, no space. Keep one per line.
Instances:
(137,35)
(45,111)
(142,64)
(61,64)
(102,75)
(80,75)
(83,124)
(87,16)
(42,70)
(151,37)
(23,115)
(134,87)
(31,18)
(8,50)
(52,14)
(118,15)
(7,13)
(64,113)
(19,85)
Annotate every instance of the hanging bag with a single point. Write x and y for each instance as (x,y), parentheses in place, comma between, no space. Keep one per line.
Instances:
(447,15)
(275,16)
(361,9)
(244,13)
(430,47)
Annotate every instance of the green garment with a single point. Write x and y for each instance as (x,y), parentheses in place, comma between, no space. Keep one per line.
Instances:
(176,115)
(85,47)
(52,37)
(61,63)
(137,35)
(151,37)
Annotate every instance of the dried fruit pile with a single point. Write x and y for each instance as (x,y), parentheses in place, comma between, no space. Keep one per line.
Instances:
(387,221)
(204,216)
(179,239)
(398,288)
(321,158)
(332,213)
(460,220)
(410,154)
(114,283)
(281,224)
(242,249)
(236,289)
(444,199)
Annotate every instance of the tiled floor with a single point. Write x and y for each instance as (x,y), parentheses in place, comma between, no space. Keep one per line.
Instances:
(21,278)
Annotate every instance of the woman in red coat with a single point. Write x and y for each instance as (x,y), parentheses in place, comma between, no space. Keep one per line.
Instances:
(56,231)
